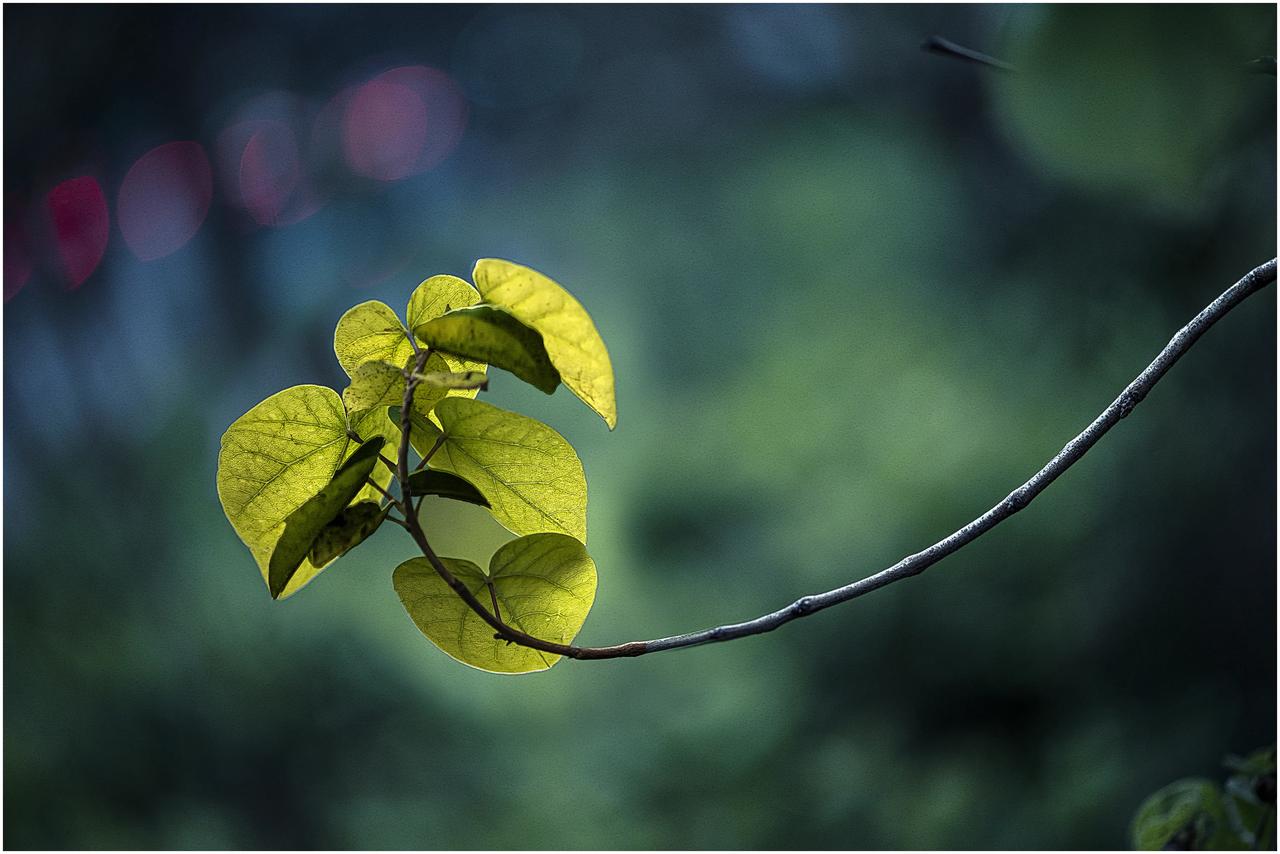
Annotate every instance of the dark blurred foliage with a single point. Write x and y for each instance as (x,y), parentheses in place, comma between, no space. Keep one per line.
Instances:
(854,292)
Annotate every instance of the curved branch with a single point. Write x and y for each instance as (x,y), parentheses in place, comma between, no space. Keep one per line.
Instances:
(917,563)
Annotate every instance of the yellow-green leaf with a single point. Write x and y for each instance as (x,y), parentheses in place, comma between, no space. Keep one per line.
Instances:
(445,485)
(374,384)
(1190,807)
(423,432)
(460,380)
(573,344)
(528,473)
(490,335)
(380,384)
(273,458)
(351,527)
(366,425)
(434,297)
(437,295)
(303,526)
(545,585)
(370,332)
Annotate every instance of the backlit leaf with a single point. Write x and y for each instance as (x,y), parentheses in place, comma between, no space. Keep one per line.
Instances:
(275,457)
(490,335)
(437,295)
(545,585)
(304,524)
(461,380)
(572,342)
(370,332)
(380,384)
(352,526)
(445,485)
(1186,812)
(374,384)
(423,433)
(529,474)
(434,297)
(366,425)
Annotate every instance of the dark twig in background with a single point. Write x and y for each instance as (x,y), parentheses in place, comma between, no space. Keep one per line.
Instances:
(946,47)
(1263,65)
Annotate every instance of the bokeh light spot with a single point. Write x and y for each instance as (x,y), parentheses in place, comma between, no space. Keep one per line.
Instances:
(265,166)
(164,199)
(446,107)
(384,130)
(269,172)
(81,225)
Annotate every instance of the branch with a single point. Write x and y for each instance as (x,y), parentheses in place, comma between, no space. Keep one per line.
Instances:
(915,564)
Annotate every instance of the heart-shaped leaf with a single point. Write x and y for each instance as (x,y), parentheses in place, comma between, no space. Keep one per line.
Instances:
(434,297)
(374,384)
(304,525)
(529,474)
(1184,814)
(568,333)
(490,335)
(381,384)
(452,380)
(370,332)
(366,425)
(445,485)
(273,458)
(438,295)
(351,527)
(544,586)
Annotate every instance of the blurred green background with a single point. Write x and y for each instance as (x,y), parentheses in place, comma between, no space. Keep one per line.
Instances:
(854,293)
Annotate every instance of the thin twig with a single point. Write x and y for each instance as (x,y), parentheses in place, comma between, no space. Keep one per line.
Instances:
(1262,65)
(946,47)
(915,564)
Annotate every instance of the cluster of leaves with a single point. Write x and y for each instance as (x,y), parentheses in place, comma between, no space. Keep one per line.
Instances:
(304,476)
(1199,815)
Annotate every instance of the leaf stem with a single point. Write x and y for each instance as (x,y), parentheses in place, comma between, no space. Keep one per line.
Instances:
(431,453)
(493,597)
(375,485)
(413,342)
